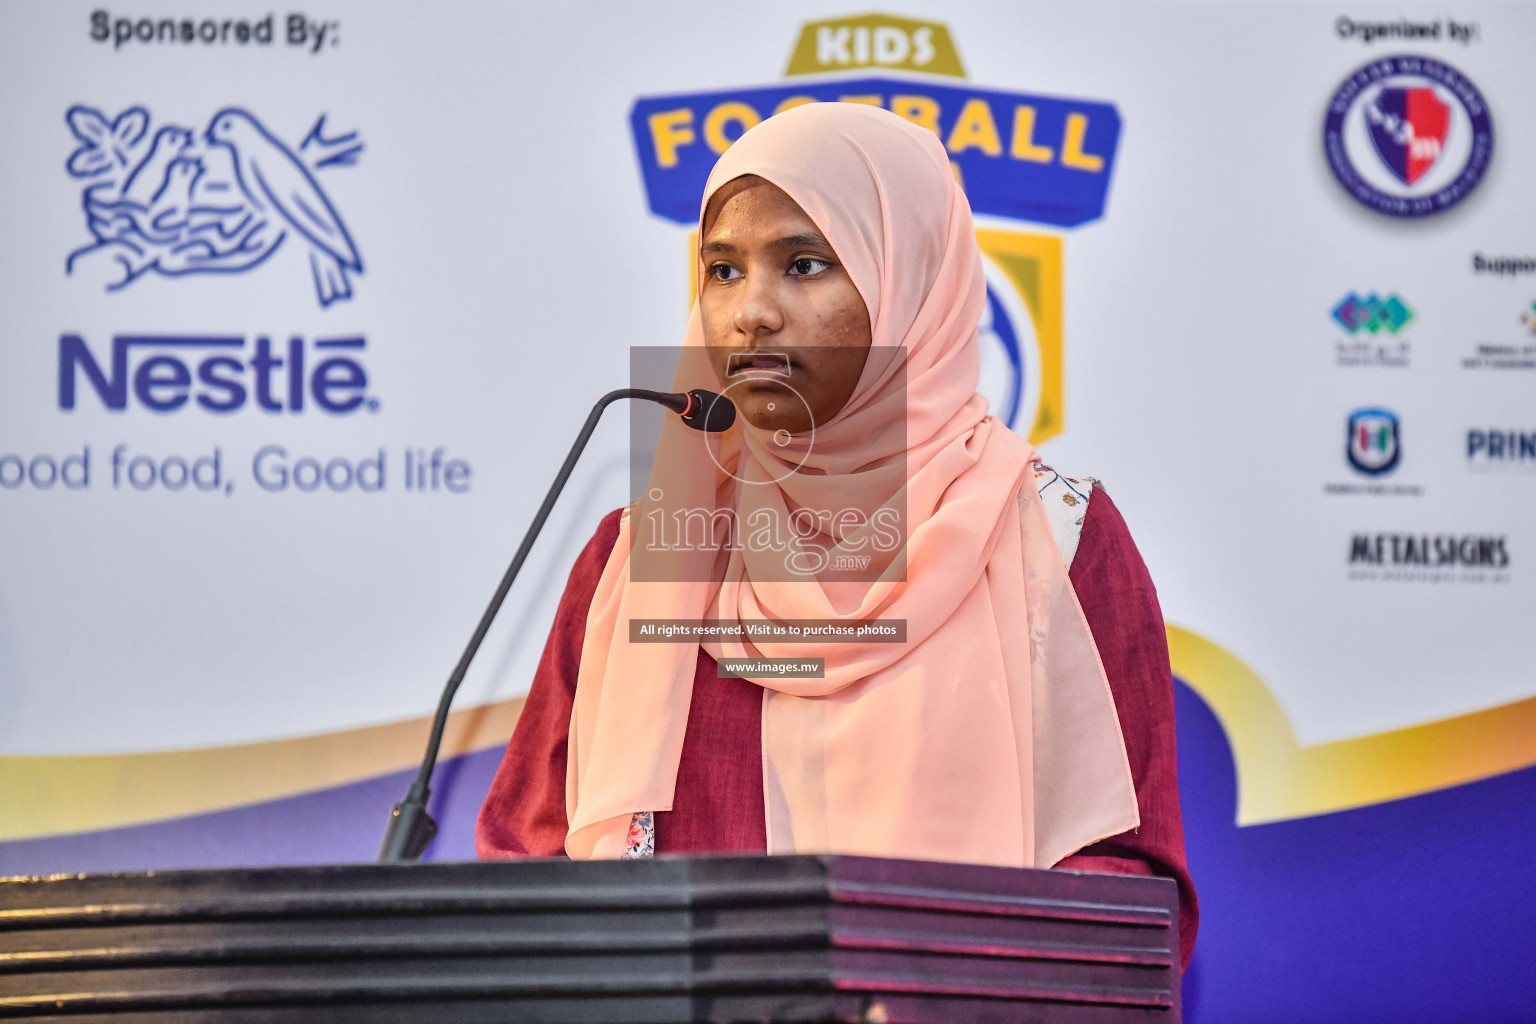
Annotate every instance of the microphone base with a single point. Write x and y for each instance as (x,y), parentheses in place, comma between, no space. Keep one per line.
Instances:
(410,829)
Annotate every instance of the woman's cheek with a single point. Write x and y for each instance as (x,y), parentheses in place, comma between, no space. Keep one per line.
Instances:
(852,318)
(844,328)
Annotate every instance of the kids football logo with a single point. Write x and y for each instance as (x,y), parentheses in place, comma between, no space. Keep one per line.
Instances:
(1020,157)
(1408,136)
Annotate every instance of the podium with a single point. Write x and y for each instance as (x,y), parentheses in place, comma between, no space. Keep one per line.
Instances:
(665,941)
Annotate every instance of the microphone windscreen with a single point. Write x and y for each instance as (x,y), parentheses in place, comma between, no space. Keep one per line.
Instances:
(709,412)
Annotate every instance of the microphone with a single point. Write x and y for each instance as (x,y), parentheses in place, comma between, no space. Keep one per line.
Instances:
(700,409)
(411,828)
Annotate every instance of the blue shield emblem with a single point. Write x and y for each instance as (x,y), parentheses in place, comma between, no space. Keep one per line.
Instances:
(1374,444)
(1408,127)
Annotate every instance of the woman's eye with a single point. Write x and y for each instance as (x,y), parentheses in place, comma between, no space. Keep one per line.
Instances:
(806,266)
(724,272)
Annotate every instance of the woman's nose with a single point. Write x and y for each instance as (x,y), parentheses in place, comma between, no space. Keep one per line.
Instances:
(759,313)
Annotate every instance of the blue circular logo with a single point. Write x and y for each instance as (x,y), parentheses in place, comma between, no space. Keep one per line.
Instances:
(1408,136)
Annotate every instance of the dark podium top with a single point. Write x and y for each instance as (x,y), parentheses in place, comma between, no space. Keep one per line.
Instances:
(629,942)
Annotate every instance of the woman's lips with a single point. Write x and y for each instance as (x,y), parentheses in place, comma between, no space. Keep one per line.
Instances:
(750,365)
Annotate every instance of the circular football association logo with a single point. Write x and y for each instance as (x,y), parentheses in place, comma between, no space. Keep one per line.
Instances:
(1408,136)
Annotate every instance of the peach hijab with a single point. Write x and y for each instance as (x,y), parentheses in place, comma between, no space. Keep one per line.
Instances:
(990,736)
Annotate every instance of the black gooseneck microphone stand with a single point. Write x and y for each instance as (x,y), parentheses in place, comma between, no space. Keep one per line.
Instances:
(411,828)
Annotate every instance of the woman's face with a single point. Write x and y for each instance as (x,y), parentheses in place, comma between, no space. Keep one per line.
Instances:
(787,331)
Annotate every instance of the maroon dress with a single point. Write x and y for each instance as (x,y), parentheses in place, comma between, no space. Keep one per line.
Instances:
(718,804)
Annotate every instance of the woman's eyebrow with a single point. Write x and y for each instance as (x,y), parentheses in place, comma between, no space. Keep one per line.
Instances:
(809,238)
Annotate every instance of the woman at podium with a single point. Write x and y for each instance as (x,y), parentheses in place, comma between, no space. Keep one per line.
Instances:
(940,649)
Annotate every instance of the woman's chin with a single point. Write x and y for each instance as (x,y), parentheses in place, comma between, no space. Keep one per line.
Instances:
(757,413)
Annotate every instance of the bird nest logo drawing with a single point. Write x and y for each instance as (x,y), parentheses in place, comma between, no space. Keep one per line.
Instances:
(221,202)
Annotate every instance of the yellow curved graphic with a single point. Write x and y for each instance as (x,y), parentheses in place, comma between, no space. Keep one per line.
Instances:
(1032,262)
(1279,779)
(44,796)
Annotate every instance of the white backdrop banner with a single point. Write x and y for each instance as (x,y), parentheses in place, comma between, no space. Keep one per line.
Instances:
(302,308)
